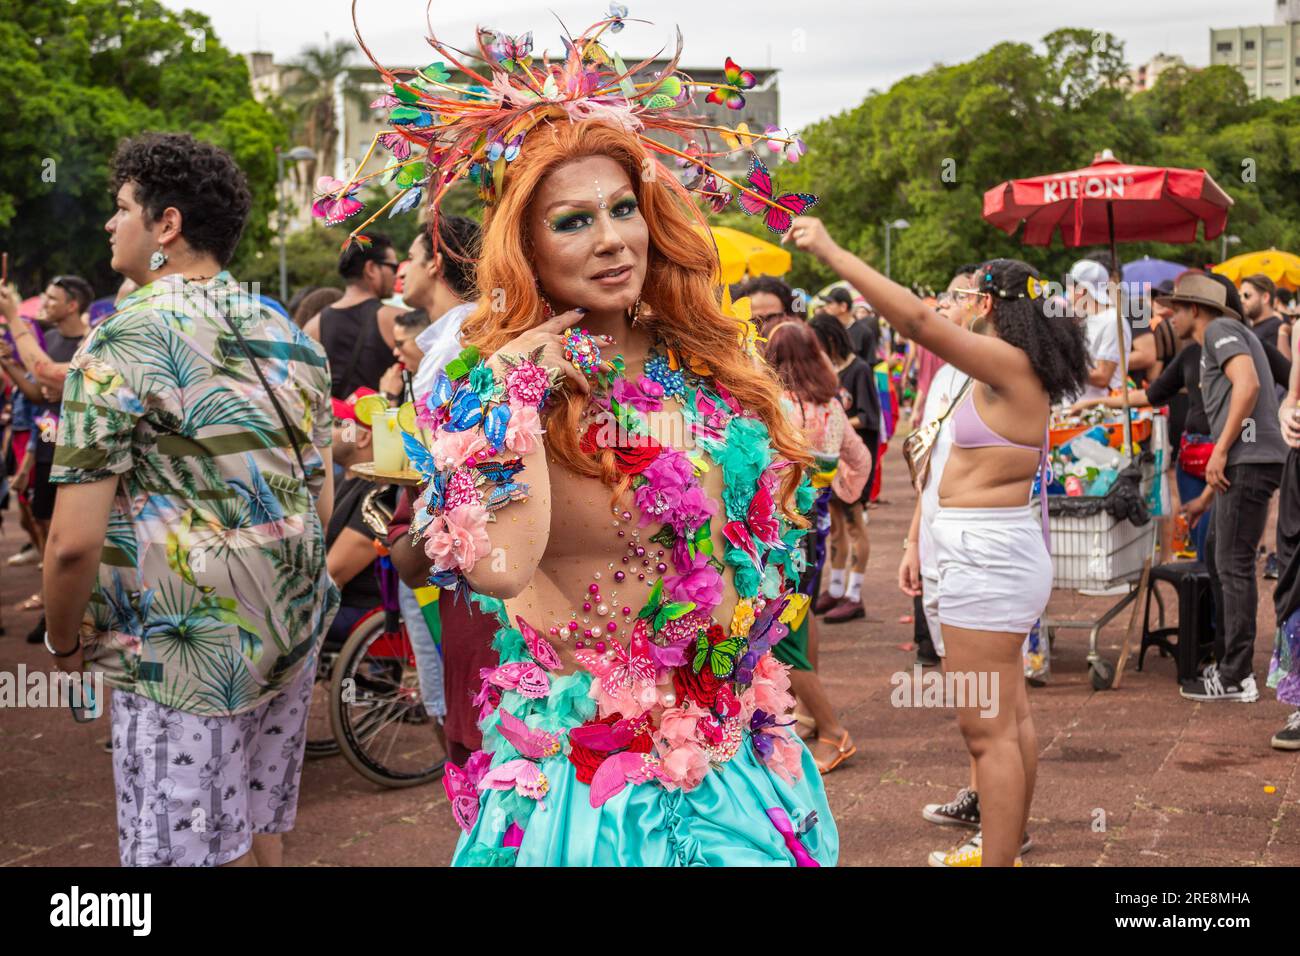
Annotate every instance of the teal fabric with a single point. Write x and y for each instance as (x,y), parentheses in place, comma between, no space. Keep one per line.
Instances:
(722,822)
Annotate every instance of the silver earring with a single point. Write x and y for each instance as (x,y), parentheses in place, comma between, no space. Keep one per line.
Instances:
(157,260)
(636,311)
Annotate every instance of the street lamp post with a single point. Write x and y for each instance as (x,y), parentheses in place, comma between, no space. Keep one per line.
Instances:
(889,226)
(1229,241)
(297,154)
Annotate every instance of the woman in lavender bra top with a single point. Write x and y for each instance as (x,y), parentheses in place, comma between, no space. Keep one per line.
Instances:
(995,574)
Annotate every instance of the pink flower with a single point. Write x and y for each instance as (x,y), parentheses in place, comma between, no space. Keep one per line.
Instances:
(526,384)
(457,539)
(450,449)
(524,431)
(677,724)
(686,765)
(667,479)
(694,508)
(645,395)
(787,756)
(462,489)
(701,583)
(771,686)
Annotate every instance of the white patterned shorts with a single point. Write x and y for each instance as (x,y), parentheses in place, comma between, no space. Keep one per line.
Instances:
(192,790)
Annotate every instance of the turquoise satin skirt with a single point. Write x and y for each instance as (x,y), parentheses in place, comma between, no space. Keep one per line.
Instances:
(722,822)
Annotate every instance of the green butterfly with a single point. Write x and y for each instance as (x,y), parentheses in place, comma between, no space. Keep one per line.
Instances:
(459,367)
(659,613)
(665,97)
(701,540)
(720,657)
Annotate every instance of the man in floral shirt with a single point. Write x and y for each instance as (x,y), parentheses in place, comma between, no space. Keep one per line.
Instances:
(194,454)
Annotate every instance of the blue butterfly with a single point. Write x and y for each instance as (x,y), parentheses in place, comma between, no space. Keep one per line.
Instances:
(410,199)
(501,471)
(466,411)
(441,393)
(419,455)
(494,429)
(501,148)
(504,493)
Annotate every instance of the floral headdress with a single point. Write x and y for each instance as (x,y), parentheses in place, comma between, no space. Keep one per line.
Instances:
(443,132)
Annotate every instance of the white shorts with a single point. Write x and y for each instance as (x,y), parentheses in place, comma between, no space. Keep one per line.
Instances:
(930,605)
(995,573)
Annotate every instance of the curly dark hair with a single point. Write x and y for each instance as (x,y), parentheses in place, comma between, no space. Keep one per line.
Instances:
(458,239)
(198,179)
(834,337)
(1055,343)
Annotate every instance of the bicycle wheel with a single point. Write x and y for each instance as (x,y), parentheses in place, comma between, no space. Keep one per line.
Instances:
(321,741)
(376,710)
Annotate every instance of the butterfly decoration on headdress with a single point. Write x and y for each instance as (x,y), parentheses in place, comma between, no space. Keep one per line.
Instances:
(777,218)
(731,94)
(468,116)
(337,202)
(793,148)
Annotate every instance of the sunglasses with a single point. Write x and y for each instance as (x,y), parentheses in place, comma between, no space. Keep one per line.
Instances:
(949,298)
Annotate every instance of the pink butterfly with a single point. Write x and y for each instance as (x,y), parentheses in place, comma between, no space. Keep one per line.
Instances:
(534,744)
(332,207)
(793,150)
(542,650)
(629,666)
(760,522)
(718,198)
(386,102)
(462,788)
(529,679)
(618,770)
(603,737)
(791,204)
(397,144)
(522,776)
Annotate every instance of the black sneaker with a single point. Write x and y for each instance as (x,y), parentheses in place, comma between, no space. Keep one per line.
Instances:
(926,655)
(1211,687)
(1288,738)
(962,811)
(1271,566)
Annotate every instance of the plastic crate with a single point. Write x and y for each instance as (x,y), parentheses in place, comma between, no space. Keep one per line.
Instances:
(1097,551)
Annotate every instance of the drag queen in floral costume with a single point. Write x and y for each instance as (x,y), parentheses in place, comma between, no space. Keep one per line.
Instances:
(610,471)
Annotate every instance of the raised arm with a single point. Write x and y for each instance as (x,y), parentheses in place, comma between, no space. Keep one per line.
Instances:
(983,357)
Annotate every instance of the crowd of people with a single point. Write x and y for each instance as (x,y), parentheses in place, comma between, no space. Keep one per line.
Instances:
(637,521)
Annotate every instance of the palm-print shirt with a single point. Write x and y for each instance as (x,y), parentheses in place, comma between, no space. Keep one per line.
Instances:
(212,590)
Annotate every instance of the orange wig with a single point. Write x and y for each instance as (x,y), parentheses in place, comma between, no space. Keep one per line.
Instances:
(681,289)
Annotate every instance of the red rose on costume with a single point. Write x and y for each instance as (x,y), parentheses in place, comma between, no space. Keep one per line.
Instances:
(716,634)
(629,459)
(586,759)
(702,688)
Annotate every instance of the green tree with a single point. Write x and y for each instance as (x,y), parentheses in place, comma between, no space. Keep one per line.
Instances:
(82,76)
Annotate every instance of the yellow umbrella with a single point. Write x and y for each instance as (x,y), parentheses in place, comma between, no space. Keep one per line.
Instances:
(742,254)
(1282,267)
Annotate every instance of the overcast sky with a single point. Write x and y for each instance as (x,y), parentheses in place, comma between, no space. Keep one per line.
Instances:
(830,52)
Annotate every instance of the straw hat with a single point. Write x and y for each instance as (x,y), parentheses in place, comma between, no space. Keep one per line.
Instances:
(1195,288)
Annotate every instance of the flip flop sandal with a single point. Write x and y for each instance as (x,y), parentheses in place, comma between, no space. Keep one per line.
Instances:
(844,754)
(33,603)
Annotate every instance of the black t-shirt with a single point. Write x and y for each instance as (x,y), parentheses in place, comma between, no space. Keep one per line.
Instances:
(864,336)
(1266,331)
(362,590)
(858,382)
(1184,372)
(59,349)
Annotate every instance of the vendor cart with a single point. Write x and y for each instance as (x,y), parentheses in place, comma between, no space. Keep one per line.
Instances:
(1094,549)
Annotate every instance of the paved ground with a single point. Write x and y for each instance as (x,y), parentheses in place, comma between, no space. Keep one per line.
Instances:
(1179,783)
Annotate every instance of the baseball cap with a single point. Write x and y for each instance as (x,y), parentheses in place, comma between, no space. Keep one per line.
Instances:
(1092,275)
(345,409)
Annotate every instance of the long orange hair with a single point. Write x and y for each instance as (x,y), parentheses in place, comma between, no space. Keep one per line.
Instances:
(681,290)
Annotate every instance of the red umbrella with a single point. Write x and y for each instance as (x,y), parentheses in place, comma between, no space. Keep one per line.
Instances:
(1110,202)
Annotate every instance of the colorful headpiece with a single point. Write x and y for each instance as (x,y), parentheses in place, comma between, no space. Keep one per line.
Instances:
(443,132)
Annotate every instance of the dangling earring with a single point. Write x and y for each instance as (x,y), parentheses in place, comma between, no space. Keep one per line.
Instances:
(547,311)
(635,315)
(157,260)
